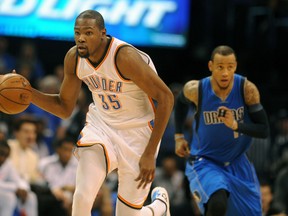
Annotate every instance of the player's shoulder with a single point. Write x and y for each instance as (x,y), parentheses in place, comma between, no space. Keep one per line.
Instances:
(70,59)
(251,93)
(191,85)
(190,90)
(71,53)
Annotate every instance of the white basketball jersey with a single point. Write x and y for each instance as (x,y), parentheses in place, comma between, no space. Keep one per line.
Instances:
(119,102)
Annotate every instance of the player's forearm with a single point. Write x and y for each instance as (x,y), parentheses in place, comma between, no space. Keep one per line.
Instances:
(162,115)
(258,128)
(51,103)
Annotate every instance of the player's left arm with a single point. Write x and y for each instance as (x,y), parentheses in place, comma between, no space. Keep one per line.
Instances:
(133,67)
(260,124)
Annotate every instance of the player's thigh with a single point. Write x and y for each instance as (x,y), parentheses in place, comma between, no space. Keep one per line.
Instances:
(91,170)
(130,149)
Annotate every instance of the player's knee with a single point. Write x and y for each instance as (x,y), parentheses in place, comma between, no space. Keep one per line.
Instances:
(83,197)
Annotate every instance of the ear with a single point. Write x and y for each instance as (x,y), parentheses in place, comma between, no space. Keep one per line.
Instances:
(210,64)
(103,32)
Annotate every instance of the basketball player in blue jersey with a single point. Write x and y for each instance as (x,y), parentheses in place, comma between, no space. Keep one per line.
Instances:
(228,112)
(123,128)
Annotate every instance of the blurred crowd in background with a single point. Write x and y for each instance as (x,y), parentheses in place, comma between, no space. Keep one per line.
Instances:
(40,144)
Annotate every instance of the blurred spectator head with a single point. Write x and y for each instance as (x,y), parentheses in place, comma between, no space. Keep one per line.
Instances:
(266,195)
(169,165)
(25,131)
(59,72)
(64,149)
(50,84)
(28,51)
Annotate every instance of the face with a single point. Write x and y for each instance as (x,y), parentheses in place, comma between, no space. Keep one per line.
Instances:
(65,152)
(27,135)
(266,196)
(88,37)
(223,69)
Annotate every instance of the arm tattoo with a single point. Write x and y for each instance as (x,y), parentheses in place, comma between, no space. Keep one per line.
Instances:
(191,91)
(251,93)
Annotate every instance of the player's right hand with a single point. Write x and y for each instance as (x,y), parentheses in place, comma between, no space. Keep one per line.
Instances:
(182,147)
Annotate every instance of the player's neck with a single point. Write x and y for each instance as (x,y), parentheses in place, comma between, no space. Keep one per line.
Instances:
(222,92)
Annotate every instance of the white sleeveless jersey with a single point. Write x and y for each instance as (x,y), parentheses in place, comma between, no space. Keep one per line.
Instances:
(119,102)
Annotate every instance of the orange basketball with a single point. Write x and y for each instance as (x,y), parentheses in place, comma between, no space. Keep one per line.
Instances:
(15,93)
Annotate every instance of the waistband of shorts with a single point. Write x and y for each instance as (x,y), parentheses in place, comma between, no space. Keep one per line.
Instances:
(193,158)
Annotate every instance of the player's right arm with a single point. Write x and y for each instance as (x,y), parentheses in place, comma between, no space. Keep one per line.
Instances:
(188,96)
(61,104)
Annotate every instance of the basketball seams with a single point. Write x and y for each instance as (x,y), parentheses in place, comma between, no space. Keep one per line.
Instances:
(3,109)
(10,76)
(24,104)
(15,93)
(16,88)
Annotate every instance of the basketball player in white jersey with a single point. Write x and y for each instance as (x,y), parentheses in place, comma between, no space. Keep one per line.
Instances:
(123,128)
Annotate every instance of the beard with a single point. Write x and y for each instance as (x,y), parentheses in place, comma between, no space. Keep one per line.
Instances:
(85,55)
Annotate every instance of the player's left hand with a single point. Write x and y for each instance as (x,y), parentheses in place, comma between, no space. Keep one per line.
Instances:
(147,165)
(228,118)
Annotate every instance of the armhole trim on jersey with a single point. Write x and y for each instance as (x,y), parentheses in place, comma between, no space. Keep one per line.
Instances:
(197,115)
(116,67)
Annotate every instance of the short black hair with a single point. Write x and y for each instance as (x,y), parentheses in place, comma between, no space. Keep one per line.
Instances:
(17,124)
(222,50)
(92,14)
(59,142)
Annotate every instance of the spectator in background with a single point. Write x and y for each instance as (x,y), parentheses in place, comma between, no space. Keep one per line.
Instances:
(59,72)
(49,84)
(59,173)
(169,176)
(28,57)
(280,144)
(103,205)
(74,124)
(7,61)
(269,206)
(15,192)
(168,144)
(23,158)
(266,196)
(280,202)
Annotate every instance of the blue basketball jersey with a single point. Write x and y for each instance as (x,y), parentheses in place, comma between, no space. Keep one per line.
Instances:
(221,161)
(211,137)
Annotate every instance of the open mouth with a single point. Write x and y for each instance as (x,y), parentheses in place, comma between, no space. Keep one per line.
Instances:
(81,48)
